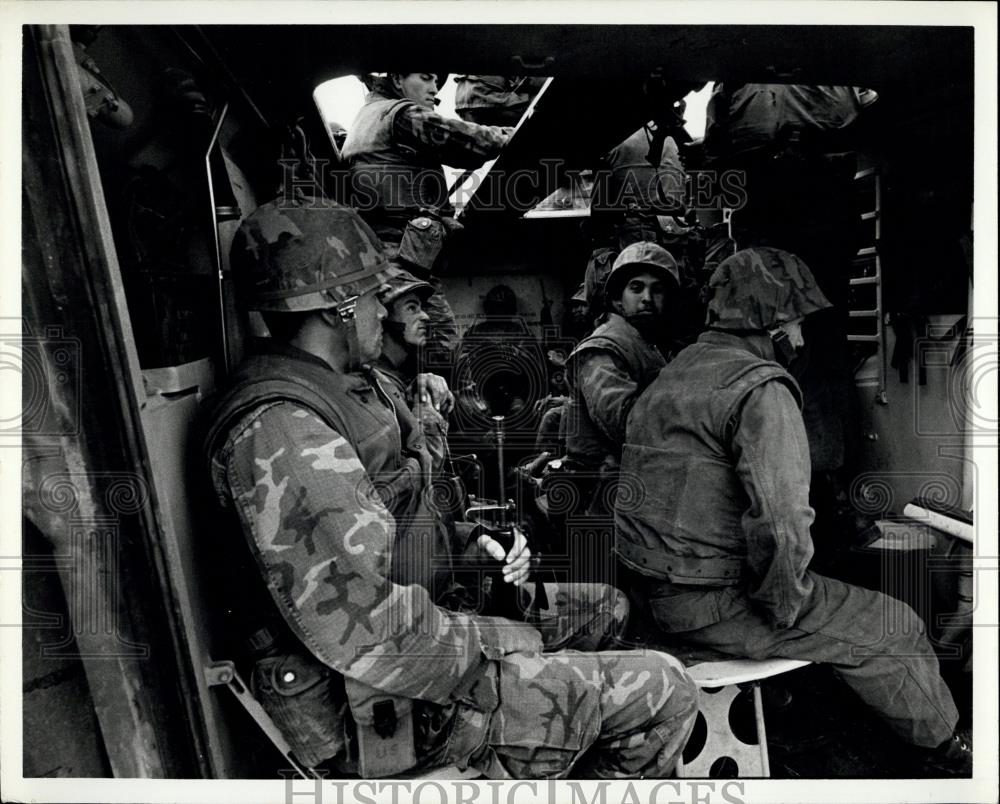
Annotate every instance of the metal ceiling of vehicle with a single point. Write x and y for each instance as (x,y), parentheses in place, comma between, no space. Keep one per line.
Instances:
(279,60)
(596,98)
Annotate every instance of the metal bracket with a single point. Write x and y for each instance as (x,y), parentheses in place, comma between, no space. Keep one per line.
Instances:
(346,309)
(533,64)
(218,674)
(223,674)
(727,220)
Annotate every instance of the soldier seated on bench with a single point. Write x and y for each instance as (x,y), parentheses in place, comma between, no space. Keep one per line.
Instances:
(374,667)
(719,544)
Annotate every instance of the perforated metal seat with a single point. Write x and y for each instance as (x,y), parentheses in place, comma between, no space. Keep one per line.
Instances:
(717,742)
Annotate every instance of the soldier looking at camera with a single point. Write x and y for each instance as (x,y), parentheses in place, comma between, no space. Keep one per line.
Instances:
(609,368)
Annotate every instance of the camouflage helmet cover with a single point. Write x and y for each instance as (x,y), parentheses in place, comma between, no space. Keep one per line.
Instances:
(761,288)
(295,256)
(405,283)
(643,255)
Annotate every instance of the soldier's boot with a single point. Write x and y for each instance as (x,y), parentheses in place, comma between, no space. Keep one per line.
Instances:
(953,758)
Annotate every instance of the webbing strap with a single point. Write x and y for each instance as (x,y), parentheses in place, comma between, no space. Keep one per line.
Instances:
(346,312)
(224,674)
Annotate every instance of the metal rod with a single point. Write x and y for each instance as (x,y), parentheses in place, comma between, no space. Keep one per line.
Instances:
(498,423)
(215,237)
(758,705)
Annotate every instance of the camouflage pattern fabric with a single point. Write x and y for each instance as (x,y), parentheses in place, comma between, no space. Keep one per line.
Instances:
(298,257)
(454,142)
(609,715)
(760,288)
(323,540)
(494,100)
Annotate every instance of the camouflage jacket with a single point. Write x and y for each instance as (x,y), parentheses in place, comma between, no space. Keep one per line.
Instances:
(324,541)
(396,149)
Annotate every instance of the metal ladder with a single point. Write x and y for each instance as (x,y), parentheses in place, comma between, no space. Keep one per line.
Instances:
(868,257)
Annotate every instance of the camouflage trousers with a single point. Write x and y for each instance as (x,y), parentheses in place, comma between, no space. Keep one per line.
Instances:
(578,616)
(569,710)
(609,715)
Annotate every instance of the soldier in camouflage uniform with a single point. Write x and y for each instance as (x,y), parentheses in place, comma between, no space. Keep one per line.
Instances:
(719,544)
(360,668)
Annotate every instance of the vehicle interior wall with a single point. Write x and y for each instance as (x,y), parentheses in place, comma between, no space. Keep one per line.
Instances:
(156,189)
(913,444)
(100,532)
(541,261)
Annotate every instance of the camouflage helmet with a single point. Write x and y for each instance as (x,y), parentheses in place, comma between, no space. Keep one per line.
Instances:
(296,257)
(761,288)
(405,283)
(638,257)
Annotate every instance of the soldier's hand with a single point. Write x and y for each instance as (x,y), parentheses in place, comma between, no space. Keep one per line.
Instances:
(433,389)
(517,562)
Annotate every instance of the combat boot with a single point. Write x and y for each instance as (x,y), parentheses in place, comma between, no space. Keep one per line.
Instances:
(953,758)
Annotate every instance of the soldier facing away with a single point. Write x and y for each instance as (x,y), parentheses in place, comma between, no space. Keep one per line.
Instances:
(395,148)
(365,671)
(719,545)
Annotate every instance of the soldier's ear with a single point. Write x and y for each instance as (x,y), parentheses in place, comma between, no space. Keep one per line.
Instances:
(330,317)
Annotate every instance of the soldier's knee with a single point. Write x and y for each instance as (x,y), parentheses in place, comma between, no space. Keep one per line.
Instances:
(902,629)
(681,693)
(613,606)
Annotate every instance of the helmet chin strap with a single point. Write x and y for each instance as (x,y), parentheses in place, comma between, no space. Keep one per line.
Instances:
(346,312)
(784,352)
(396,331)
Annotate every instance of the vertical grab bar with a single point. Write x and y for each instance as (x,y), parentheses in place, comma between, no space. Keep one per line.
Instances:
(217,246)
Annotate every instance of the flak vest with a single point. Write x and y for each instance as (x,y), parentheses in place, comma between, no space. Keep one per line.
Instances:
(584,439)
(377,425)
(390,182)
(686,527)
(387,442)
